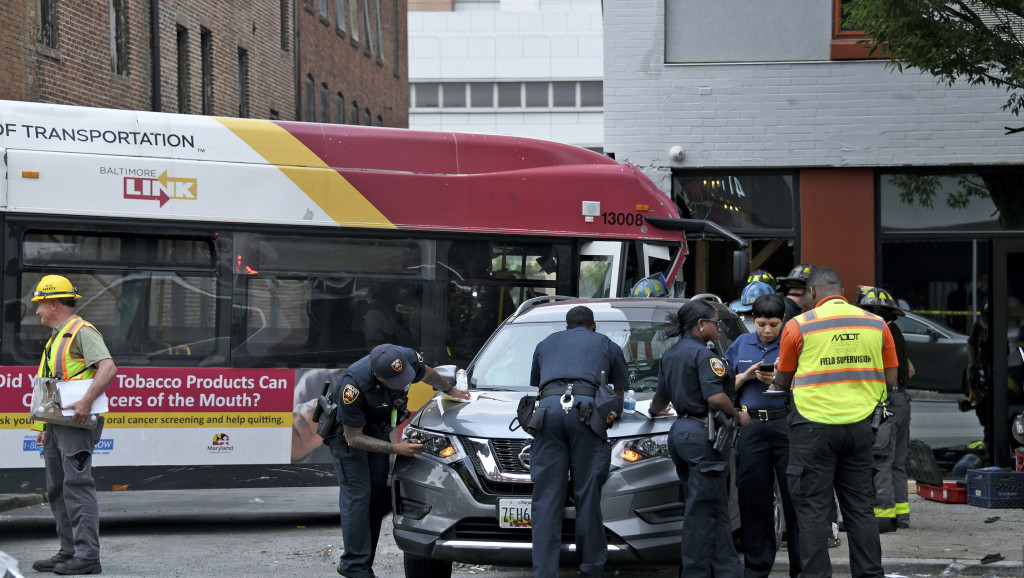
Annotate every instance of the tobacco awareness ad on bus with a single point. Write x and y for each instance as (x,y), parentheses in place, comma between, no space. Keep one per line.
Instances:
(170,416)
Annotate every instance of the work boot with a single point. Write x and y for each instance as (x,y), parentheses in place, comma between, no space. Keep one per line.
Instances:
(902,523)
(886,525)
(76,566)
(48,564)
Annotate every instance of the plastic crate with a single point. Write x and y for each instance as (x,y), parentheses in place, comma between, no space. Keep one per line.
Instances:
(1002,488)
(949,493)
(921,465)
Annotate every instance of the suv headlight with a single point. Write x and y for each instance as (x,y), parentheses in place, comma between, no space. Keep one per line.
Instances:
(439,447)
(630,451)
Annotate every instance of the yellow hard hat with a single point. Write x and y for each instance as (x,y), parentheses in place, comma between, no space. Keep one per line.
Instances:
(55,287)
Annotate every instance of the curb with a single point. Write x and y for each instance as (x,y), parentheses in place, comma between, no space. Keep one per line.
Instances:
(13,501)
(927,566)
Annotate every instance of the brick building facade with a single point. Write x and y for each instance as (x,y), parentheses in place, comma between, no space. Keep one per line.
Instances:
(231,58)
(353,61)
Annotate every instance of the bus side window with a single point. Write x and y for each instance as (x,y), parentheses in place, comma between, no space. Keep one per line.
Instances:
(488,281)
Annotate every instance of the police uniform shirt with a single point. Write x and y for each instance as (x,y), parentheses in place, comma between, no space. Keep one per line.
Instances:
(747,350)
(578,355)
(364,402)
(687,363)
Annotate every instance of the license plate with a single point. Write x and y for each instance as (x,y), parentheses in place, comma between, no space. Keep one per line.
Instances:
(514,513)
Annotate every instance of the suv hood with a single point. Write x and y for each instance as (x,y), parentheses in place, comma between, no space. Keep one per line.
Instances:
(491,412)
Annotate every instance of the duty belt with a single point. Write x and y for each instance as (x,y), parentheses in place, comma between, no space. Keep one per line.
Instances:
(701,419)
(559,388)
(768,414)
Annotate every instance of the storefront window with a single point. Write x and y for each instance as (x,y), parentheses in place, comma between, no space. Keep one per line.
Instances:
(742,202)
(978,201)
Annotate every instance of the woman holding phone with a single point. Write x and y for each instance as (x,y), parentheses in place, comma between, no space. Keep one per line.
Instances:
(762,454)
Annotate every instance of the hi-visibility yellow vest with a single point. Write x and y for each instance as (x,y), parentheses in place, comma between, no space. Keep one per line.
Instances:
(840,377)
(58,351)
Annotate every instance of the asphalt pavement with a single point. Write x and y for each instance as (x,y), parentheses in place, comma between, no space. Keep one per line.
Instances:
(940,533)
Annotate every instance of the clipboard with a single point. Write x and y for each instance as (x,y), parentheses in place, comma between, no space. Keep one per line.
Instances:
(72,391)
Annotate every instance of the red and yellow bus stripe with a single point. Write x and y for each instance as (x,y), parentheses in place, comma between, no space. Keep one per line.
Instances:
(327,188)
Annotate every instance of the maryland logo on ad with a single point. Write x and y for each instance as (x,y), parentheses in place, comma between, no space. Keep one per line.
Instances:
(162,188)
(221,443)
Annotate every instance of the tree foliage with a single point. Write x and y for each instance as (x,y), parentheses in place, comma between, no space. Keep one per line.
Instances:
(977,41)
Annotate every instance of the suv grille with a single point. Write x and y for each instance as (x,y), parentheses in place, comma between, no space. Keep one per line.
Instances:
(507,454)
(503,474)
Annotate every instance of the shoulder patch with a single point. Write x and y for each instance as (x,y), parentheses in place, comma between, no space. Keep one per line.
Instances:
(350,394)
(718,366)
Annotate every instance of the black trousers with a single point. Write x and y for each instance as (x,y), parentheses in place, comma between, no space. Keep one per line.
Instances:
(821,457)
(762,457)
(706,548)
(566,445)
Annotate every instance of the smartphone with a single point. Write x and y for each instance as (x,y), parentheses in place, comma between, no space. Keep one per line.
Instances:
(766,367)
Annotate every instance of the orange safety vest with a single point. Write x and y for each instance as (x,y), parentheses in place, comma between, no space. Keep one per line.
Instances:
(840,377)
(59,351)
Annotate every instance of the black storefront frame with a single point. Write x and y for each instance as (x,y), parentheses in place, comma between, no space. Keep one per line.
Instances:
(999,245)
(999,295)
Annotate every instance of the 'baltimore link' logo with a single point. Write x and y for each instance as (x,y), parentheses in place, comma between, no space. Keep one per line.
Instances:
(144,185)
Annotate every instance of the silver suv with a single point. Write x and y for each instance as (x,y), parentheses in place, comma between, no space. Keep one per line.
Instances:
(464,497)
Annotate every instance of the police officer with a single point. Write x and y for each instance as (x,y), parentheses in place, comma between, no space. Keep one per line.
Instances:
(838,359)
(567,368)
(762,453)
(75,351)
(697,381)
(371,398)
(892,509)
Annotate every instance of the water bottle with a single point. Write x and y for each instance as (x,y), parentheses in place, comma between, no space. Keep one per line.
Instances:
(629,404)
(954,569)
(461,380)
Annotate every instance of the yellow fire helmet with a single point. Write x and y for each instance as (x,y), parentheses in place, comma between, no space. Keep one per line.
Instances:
(55,287)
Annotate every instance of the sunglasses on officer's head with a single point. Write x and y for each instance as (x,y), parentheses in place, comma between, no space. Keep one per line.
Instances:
(717,322)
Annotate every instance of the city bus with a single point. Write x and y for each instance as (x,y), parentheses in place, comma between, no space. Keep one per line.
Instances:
(235,265)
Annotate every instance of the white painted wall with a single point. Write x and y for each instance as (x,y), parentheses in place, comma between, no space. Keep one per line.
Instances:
(810,113)
(514,40)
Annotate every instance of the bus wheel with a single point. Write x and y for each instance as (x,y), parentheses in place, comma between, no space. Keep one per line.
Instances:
(419,567)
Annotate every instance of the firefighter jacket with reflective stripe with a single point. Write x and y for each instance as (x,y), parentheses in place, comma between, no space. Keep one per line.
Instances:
(840,376)
(57,361)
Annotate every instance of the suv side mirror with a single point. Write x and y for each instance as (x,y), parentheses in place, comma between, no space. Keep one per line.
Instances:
(447,372)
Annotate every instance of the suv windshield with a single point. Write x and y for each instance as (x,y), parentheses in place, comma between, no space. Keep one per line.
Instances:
(506,361)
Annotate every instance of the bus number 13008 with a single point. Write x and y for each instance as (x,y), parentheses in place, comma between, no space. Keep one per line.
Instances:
(629,219)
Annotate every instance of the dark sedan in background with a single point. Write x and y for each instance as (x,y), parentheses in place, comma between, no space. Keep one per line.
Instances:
(939,354)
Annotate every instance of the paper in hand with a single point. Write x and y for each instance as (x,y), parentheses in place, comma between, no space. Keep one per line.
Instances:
(72,391)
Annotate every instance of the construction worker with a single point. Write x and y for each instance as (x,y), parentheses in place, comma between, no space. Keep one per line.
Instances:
(75,351)
(837,359)
(794,288)
(892,509)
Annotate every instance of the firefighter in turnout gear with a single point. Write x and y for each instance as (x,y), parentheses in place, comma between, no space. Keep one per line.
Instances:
(892,508)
